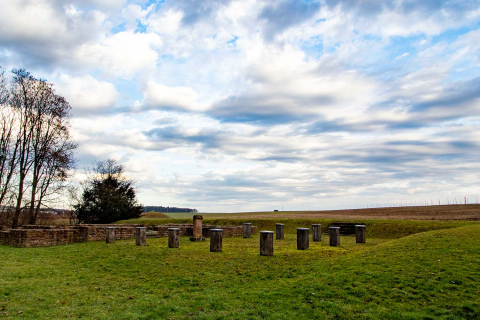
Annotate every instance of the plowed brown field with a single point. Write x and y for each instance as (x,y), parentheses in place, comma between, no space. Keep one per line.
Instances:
(443,212)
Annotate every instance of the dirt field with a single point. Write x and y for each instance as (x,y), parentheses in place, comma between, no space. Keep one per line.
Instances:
(443,212)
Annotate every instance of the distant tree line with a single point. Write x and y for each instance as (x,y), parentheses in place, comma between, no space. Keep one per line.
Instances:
(36,148)
(168,209)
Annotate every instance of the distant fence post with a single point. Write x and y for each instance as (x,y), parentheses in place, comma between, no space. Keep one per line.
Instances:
(173,237)
(247,230)
(110,235)
(360,233)
(216,236)
(140,236)
(334,236)
(302,238)
(279,228)
(266,243)
(316,232)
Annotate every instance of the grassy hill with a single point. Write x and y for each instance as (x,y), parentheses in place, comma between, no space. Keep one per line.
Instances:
(428,275)
(154,215)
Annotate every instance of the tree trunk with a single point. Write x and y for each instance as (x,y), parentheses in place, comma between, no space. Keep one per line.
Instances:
(18,207)
(31,214)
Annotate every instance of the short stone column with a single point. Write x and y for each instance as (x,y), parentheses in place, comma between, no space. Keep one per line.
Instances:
(316,232)
(334,236)
(247,230)
(280,235)
(197,228)
(216,236)
(173,237)
(302,238)
(266,243)
(140,236)
(360,233)
(110,235)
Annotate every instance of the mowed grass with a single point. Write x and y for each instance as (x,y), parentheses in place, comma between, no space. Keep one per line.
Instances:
(430,275)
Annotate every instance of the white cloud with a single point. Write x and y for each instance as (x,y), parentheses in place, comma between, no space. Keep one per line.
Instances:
(124,54)
(134,13)
(282,82)
(45,31)
(87,94)
(106,4)
(167,22)
(158,96)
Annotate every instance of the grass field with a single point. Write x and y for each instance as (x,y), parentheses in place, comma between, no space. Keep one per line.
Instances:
(427,275)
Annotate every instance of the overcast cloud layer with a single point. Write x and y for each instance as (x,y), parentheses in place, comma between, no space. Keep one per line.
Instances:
(251,105)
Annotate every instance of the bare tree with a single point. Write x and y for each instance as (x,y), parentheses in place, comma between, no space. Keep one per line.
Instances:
(43,150)
(52,149)
(52,179)
(8,142)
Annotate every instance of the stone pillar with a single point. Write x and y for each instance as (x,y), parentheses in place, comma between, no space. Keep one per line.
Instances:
(247,230)
(197,228)
(360,233)
(173,237)
(279,229)
(266,243)
(334,236)
(302,238)
(216,236)
(316,232)
(140,236)
(110,235)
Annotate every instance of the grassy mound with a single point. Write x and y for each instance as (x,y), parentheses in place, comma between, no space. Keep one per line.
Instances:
(154,215)
(432,275)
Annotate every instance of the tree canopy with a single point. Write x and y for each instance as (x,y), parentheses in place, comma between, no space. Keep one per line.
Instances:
(108,195)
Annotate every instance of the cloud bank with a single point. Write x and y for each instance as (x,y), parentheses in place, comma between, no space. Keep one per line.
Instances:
(254,104)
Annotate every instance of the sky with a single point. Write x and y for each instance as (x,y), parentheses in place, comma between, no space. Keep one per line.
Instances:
(251,105)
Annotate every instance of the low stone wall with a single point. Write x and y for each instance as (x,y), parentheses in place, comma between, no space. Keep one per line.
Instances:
(186,230)
(44,236)
(98,232)
(26,238)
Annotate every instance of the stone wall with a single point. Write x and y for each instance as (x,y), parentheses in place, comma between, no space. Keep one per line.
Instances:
(44,236)
(186,230)
(26,238)
(98,232)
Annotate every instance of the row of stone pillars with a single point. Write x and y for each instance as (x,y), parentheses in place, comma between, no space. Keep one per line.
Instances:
(216,236)
(266,237)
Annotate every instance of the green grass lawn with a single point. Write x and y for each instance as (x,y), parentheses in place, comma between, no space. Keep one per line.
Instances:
(429,275)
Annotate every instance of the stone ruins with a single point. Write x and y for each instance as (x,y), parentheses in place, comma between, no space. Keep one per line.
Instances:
(44,236)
